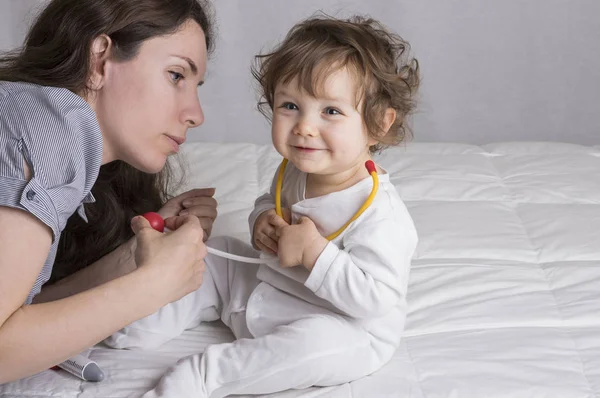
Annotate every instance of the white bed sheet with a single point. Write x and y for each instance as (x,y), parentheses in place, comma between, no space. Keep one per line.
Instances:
(504,293)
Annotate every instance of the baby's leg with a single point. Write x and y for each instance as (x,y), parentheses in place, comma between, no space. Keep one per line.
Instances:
(223,294)
(317,351)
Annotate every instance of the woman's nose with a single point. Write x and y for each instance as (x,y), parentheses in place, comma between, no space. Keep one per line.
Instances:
(194,115)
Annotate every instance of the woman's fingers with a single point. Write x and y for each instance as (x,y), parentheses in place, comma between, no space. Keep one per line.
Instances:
(138,223)
(187,226)
(205,203)
(202,196)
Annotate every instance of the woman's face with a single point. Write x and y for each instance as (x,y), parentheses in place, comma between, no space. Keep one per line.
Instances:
(146,105)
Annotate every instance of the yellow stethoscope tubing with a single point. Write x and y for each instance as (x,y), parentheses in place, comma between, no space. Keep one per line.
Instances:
(372,170)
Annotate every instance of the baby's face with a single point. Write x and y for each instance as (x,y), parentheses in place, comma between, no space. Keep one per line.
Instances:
(323,134)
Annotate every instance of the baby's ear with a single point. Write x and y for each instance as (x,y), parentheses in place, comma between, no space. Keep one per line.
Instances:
(388,119)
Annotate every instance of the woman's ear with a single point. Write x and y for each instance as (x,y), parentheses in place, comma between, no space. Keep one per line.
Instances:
(100,54)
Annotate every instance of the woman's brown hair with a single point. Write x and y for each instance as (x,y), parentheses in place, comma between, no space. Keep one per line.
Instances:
(386,76)
(56,53)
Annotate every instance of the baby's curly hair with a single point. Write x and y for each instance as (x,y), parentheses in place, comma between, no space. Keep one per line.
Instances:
(386,76)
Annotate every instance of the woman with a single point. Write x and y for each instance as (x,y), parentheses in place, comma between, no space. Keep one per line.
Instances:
(109,88)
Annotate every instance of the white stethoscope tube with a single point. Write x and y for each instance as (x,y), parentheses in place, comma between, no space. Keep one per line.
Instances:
(230,256)
(250,260)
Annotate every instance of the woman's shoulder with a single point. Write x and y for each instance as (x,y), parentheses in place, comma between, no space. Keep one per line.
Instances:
(59,139)
(8,89)
(23,96)
(11,91)
(48,120)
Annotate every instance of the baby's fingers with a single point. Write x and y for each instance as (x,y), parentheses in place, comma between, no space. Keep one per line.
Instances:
(267,245)
(287,215)
(277,222)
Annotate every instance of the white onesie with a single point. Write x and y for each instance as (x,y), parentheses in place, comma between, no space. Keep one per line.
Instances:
(295,328)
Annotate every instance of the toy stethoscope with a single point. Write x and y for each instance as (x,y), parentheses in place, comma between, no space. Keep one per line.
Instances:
(157,222)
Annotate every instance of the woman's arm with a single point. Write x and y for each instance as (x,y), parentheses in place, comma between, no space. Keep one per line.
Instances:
(196,202)
(36,337)
(115,264)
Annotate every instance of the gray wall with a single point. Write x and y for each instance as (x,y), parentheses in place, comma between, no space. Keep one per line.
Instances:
(492,70)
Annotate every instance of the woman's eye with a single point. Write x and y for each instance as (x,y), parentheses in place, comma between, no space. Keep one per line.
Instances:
(332,111)
(175,76)
(289,106)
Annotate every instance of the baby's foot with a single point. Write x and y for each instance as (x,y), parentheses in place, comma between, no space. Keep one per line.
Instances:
(182,380)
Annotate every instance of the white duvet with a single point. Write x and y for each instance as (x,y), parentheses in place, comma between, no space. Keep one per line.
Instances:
(505,287)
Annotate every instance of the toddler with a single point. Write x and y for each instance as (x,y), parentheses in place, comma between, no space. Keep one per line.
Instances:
(332,308)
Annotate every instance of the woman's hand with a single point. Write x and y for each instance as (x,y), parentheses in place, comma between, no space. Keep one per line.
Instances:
(175,259)
(196,202)
(264,235)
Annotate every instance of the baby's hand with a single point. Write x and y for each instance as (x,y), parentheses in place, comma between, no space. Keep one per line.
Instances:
(264,236)
(300,244)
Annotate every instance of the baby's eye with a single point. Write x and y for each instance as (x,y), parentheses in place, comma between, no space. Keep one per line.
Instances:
(289,106)
(175,76)
(332,111)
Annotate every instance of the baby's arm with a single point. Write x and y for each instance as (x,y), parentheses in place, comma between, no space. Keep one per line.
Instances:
(370,275)
(263,220)
(262,204)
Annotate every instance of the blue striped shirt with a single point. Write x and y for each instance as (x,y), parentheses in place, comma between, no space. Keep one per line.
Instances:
(57,134)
